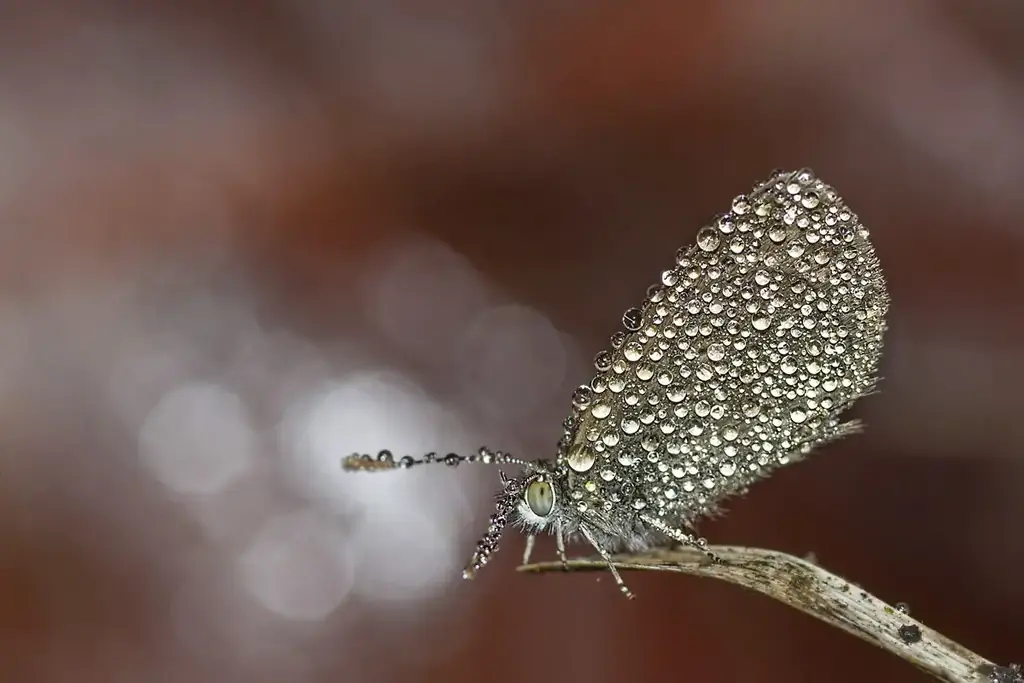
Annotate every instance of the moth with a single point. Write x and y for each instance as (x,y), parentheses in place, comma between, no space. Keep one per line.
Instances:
(741,360)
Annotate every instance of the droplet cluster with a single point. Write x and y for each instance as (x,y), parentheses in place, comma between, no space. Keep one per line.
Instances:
(740,360)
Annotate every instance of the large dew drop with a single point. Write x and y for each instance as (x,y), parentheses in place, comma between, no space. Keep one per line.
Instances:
(707,239)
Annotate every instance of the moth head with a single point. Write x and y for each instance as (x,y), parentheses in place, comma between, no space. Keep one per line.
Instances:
(530,500)
(533,502)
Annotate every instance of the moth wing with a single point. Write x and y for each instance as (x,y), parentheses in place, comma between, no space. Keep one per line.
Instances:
(744,357)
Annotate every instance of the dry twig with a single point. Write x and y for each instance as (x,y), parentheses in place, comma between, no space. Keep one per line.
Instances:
(818,592)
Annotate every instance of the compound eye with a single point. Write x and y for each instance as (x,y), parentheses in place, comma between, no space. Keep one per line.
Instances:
(541,498)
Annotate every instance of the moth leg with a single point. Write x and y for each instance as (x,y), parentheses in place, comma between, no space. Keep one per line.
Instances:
(608,558)
(530,540)
(680,536)
(560,544)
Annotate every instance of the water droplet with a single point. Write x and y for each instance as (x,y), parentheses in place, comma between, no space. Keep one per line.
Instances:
(716,352)
(601,410)
(728,469)
(707,239)
(603,361)
(798,415)
(777,234)
(740,205)
(580,458)
(632,319)
(630,426)
(910,634)
(607,475)
(582,397)
(761,322)
(810,200)
(644,371)
(633,351)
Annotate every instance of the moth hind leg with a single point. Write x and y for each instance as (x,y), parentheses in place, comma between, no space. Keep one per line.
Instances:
(681,537)
(560,546)
(606,556)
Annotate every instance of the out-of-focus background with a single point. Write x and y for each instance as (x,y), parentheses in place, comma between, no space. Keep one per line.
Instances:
(241,240)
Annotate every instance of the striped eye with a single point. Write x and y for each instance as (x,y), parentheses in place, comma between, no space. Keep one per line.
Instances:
(541,498)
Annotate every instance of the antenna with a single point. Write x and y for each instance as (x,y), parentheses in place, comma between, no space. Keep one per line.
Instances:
(364,462)
(506,498)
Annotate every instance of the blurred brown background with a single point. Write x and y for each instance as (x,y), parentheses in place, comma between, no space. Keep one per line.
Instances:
(241,240)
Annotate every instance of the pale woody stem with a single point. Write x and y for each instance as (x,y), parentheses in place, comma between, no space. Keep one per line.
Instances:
(816,591)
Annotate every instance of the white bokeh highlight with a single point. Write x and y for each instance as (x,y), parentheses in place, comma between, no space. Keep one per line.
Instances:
(198,439)
(298,567)
(407,528)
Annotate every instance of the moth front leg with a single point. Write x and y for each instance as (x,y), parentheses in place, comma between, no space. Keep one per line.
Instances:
(531,539)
